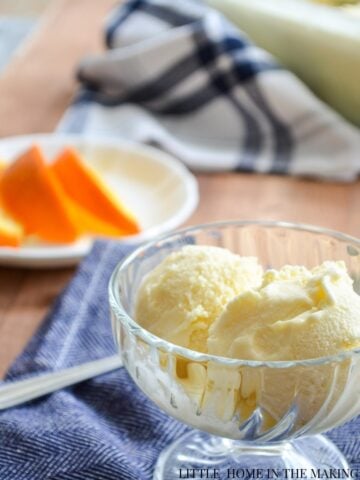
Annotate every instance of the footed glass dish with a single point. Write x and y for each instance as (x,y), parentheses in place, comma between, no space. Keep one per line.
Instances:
(246,415)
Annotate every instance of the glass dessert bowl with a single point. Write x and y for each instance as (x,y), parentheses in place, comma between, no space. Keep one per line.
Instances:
(246,413)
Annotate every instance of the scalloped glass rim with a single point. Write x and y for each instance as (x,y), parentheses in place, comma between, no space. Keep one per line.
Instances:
(192,355)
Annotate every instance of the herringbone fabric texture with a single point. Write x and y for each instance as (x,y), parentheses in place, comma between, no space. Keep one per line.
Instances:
(105,428)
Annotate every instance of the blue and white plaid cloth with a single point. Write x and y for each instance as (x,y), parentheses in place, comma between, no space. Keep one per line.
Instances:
(102,429)
(180,76)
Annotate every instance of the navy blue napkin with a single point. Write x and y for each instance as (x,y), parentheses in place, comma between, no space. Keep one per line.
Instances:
(105,428)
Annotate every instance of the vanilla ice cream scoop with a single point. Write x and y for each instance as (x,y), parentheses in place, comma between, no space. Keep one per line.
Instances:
(295,314)
(189,289)
(211,300)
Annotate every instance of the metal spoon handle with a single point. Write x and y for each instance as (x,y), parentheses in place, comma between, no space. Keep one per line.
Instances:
(24,390)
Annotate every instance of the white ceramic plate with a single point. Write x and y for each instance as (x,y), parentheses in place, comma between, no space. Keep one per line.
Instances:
(160,191)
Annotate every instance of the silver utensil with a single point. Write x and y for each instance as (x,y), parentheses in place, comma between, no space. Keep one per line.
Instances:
(24,390)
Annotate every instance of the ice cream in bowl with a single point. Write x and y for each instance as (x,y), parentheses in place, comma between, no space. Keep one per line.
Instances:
(250,333)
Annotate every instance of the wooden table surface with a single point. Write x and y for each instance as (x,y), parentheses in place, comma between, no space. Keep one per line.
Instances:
(37,87)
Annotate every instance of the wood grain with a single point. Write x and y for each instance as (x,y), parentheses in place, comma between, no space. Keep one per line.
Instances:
(40,81)
(25,298)
(247,196)
(23,8)
(34,91)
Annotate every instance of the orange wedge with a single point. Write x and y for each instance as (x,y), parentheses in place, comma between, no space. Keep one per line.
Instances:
(84,187)
(31,195)
(87,224)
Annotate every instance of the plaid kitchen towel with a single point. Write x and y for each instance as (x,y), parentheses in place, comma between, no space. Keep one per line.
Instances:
(180,76)
(104,428)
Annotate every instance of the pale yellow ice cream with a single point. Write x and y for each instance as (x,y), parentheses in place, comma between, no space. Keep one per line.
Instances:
(295,314)
(189,289)
(211,300)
